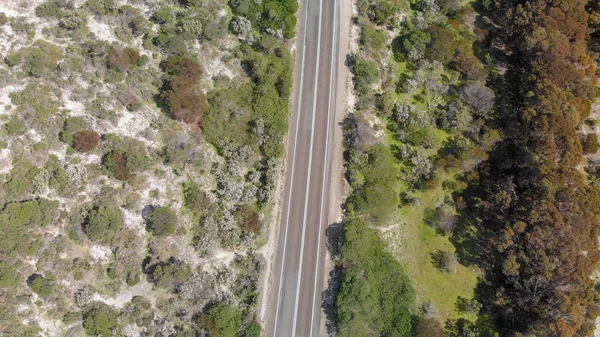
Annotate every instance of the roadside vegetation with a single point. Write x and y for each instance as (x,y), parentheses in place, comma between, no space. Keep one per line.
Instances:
(463,156)
(140,142)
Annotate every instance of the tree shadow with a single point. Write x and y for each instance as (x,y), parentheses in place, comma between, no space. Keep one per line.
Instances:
(335,238)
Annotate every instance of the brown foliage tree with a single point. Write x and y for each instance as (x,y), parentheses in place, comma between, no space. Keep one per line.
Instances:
(185,100)
(122,59)
(85,140)
(182,95)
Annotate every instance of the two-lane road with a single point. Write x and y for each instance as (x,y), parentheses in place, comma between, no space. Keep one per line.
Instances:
(295,305)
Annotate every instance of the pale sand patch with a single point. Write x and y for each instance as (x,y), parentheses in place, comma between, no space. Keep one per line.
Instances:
(124,297)
(101,30)
(100,253)
(5,161)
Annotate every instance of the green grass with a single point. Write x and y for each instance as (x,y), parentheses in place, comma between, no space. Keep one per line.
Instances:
(417,242)
(413,242)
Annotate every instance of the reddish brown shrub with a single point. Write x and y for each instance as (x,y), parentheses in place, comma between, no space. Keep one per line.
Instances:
(122,59)
(184,66)
(116,162)
(185,100)
(85,140)
(248,217)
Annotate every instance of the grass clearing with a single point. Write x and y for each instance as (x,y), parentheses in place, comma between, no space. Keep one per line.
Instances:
(413,242)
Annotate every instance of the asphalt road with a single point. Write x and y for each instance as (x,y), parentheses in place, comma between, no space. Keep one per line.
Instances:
(295,307)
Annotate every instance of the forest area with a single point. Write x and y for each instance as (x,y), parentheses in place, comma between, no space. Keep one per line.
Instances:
(140,142)
(470,154)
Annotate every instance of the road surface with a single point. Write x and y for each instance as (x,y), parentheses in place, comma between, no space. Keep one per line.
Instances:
(295,306)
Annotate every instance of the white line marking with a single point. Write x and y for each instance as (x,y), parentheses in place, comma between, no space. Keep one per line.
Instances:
(312,134)
(333,67)
(287,221)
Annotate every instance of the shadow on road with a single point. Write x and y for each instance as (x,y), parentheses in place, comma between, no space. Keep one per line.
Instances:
(335,237)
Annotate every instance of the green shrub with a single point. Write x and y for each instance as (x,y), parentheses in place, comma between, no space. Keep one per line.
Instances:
(377,197)
(9,278)
(196,200)
(222,320)
(40,285)
(52,9)
(20,220)
(71,125)
(162,221)
(118,164)
(40,99)
(366,73)
(3,18)
(376,296)
(15,126)
(101,7)
(269,14)
(381,12)
(100,320)
(40,146)
(102,223)
(38,60)
(169,274)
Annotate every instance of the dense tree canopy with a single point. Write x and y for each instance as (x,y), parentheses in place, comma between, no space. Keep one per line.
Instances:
(538,216)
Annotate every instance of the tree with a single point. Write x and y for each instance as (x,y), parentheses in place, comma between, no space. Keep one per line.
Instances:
(429,327)
(445,261)
(85,140)
(589,143)
(117,162)
(162,221)
(381,11)
(102,223)
(478,96)
(441,46)
(222,320)
(122,59)
(100,320)
(185,100)
(169,274)
(414,46)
